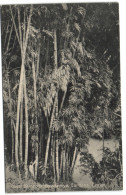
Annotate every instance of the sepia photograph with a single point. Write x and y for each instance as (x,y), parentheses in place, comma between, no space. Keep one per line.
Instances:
(61,97)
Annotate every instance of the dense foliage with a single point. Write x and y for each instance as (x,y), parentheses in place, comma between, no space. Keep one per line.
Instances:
(61,84)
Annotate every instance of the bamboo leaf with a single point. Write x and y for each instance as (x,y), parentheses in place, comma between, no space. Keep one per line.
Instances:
(64,5)
(82,11)
(77,27)
(49,33)
(80,48)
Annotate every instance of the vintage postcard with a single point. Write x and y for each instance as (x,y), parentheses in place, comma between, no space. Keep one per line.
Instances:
(61,97)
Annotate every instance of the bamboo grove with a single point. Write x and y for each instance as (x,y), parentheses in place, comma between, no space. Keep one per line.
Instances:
(57,86)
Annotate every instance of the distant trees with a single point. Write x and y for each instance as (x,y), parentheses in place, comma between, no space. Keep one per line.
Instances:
(57,87)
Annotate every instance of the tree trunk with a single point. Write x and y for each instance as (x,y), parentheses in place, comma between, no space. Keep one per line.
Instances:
(64,95)
(12,155)
(74,159)
(57,157)
(47,55)
(61,163)
(25,93)
(103,147)
(9,38)
(20,91)
(36,121)
(6,35)
(21,128)
(26,128)
(67,164)
(64,165)
(41,150)
(57,144)
(55,50)
(49,136)
(53,157)
(38,59)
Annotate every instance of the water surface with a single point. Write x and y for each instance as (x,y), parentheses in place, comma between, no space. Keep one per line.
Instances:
(95,147)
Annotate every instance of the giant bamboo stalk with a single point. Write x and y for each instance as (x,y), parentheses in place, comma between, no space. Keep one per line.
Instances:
(61,162)
(63,99)
(53,156)
(15,27)
(67,164)
(57,144)
(9,38)
(21,129)
(6,34)
(74,159)
(38,59)
(64,164)
(47,54)
(26,128)
(57,157)
(20,91)
(22,85)
(20,33)
(36,125)
(41,150)
(12,133)
(49,136)
(25,94)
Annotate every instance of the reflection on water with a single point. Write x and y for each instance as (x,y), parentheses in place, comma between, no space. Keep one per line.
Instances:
(94,148)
